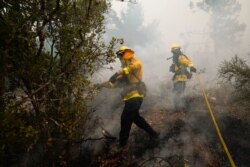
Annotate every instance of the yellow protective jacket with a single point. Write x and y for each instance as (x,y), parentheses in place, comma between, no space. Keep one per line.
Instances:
(179,67)
(132,71)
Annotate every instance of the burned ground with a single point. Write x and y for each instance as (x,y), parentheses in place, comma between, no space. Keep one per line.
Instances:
(186,138)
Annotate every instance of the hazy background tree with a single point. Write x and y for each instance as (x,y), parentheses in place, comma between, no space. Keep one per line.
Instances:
(131,28)
(49,49)
(226,30)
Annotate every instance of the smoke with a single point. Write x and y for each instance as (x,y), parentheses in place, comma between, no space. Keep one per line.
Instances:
(208,34)
(208,31)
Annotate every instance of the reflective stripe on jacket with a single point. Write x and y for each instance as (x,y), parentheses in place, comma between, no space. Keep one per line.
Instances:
(129,94)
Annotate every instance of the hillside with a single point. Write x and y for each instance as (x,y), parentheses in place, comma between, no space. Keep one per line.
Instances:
(186,138)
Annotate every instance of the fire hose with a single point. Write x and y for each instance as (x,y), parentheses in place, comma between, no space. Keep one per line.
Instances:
(231,161)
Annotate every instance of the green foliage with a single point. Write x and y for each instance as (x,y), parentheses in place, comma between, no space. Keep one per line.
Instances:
(16,134)
(237,72)
(49,49)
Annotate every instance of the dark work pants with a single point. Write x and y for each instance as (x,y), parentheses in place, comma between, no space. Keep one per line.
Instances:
(131,115)
(179,100)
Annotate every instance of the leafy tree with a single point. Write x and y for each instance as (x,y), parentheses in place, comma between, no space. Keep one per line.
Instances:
(237,72)
(49,49)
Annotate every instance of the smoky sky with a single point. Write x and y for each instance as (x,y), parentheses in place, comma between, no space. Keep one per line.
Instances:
(129,26)
(208,31)
(225,26)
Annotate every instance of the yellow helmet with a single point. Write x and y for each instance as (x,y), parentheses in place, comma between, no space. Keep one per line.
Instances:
(126,52)
(123,49)
(175,46)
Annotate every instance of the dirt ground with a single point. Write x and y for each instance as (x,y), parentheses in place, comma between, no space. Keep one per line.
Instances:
(187,139)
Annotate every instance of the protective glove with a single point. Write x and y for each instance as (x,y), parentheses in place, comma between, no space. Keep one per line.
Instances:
(192,69)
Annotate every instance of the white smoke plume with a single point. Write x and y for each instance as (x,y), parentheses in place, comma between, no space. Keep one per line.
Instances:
(149,28)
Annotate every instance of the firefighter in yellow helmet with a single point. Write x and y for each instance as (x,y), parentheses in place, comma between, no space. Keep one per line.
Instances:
(130,79)
(180,66)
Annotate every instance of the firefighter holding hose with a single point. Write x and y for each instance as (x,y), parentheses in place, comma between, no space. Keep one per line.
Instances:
(129,78)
